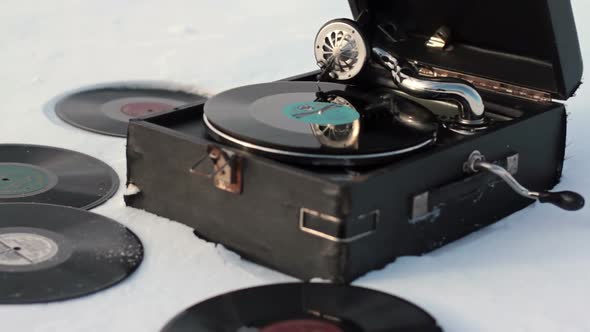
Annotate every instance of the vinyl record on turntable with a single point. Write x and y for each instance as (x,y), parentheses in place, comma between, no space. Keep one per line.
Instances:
(316,123)
(108,109)
(42,174)
(52,253)
(300,307)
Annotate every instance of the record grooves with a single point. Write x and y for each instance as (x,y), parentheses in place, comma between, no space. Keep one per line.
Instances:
(301,307)
(52,253)
(319,123)
(108,109)
(42,174)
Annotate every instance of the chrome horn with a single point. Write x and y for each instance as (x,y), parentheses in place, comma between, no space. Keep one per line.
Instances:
(470,104)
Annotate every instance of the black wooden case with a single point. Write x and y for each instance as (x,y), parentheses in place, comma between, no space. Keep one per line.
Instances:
(339,223)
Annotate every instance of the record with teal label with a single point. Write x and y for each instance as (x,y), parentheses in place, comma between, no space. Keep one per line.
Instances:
(21,180)
(315,123)
(321,113)
(49,175)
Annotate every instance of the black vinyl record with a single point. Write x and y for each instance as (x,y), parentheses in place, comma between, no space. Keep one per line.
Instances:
(42,174)
(319,123)
(302,307)
(107,110)
(52,253)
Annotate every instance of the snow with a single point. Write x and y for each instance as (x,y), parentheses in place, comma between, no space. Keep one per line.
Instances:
(529,272)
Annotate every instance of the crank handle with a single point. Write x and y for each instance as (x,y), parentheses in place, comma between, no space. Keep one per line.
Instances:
(567,200)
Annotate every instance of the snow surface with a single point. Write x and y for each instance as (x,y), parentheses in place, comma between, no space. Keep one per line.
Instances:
(529,272)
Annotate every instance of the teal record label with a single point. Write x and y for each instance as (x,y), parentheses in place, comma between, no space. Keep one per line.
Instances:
(22,180)
(320,113)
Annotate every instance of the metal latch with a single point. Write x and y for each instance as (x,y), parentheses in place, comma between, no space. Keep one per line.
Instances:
(440,39)
(227,169)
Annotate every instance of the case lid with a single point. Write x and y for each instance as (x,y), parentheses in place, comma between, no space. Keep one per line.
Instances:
(528,43)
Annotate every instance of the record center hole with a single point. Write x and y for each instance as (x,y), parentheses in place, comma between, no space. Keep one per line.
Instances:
(5,179)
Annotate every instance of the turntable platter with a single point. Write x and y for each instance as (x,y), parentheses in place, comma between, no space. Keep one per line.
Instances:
(325,123)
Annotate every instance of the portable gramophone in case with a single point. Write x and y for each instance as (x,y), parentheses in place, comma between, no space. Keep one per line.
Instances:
(426,122)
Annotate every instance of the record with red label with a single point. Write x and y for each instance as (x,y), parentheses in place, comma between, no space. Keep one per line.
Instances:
(108,109)
(304,307)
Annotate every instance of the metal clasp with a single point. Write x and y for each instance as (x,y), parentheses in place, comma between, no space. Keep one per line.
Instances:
(227,169)
(440,39)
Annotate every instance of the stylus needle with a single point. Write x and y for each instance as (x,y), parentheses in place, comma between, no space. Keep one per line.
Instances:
(323,109)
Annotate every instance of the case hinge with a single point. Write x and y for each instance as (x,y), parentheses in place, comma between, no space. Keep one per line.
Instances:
(337,229)
(227,169)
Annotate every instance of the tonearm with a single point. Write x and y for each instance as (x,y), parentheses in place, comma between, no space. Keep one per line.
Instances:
(471,116)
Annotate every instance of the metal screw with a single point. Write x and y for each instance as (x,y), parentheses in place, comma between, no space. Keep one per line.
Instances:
(214,155)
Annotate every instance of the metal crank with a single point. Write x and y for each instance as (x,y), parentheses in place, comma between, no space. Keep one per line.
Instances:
(567,200)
